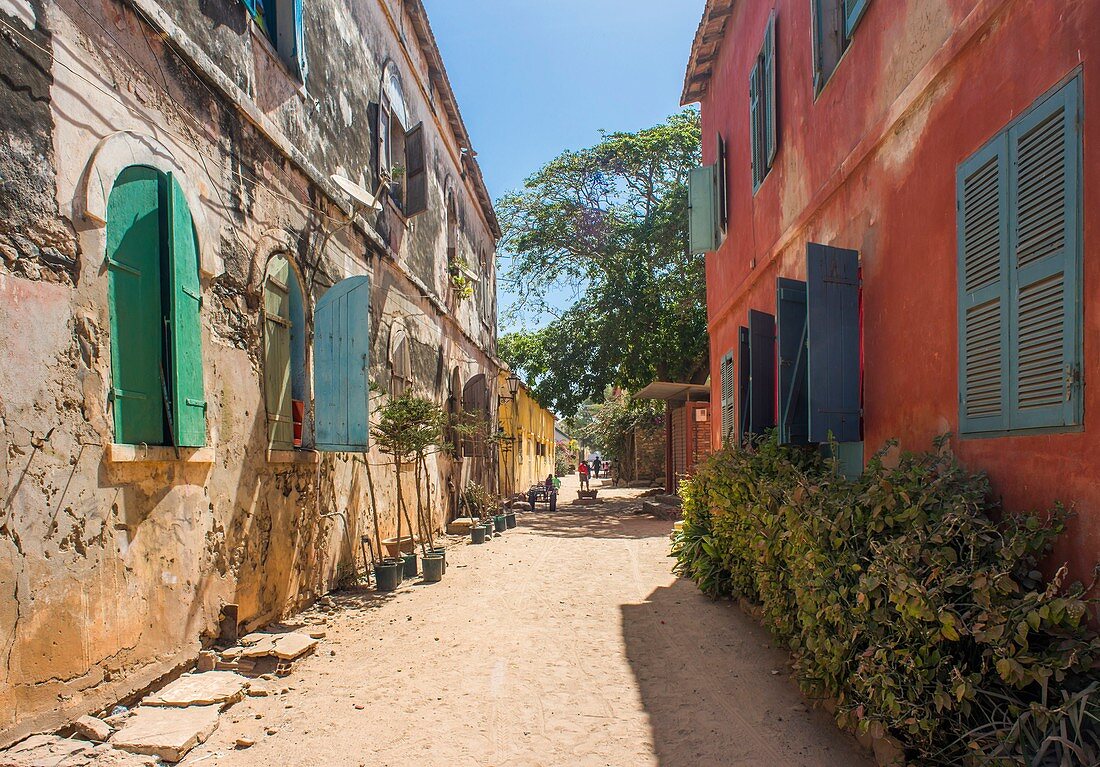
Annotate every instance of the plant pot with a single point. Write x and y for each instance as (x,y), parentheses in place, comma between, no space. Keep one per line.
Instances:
(499,523)
(441,552)
(408,545)
(477,534)
(410,565)
(510,519)
(399,565)
(387,575)
(433,568)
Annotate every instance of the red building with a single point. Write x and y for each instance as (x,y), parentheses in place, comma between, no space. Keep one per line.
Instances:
(893,208)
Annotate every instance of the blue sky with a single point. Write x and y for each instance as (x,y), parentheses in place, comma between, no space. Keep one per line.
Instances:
(536,77)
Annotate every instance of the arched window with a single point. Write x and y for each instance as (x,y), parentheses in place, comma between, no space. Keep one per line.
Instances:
(400,359)
(285,378)
(154,297)
(401,151)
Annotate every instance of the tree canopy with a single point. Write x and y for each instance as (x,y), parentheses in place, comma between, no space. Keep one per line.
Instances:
(610,223)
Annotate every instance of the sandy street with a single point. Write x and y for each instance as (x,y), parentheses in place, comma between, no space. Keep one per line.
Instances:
(565,642)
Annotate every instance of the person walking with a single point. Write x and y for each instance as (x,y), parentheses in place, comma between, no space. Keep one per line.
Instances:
(582,472)
(597,464)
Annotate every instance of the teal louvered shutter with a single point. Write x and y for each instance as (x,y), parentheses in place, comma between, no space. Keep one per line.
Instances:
(341,366)
(982,190)
(729,398)
(185,330)
(1045,317)
(754,126)
(276,371)
(134,297)
(702,209)
(853,12)
(791,345)
(771,126)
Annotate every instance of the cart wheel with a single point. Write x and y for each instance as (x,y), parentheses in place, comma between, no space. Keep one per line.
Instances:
(531,500)
(553,502)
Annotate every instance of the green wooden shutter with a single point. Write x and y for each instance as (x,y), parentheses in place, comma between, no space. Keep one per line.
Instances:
(277,325)
(185,333)
(743,383)
(702,210)
(1045,314)
(771,126)
(791,345)
(134,297)
(983,290)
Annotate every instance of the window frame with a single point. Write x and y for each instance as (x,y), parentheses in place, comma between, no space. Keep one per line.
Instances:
(845,22)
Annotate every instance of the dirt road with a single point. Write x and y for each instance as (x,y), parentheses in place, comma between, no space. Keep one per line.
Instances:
(564,642)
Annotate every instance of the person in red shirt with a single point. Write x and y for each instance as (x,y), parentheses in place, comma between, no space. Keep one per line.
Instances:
(582,470)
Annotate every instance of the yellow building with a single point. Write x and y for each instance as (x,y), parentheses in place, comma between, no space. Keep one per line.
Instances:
(527,437)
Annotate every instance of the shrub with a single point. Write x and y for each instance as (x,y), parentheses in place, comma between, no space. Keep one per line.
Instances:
(903,599)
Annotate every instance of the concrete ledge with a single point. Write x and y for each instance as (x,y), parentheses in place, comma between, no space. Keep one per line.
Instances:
(293,456)
(158,454)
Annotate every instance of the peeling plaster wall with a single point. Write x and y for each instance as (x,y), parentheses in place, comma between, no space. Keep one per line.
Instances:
(112,573)
(870,164)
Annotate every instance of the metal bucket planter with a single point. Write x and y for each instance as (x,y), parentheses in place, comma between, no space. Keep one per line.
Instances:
(477,534)
(433,568)
(499,523)
(410,566)
(510,519)
(387,575)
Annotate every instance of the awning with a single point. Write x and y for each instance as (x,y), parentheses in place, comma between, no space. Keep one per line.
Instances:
(675,392)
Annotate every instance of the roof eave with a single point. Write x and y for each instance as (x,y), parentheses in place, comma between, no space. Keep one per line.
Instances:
(704,50)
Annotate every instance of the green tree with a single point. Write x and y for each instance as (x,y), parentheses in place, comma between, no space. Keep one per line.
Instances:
(609,221)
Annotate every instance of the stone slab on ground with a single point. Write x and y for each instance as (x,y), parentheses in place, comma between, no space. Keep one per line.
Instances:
(662,510)
(200,689)
(92,729)
(671,500)
(166,732)
(286,646)
(54,751)
(588,501)
(460,526)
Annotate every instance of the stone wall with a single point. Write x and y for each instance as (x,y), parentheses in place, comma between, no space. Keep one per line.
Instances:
(115,561)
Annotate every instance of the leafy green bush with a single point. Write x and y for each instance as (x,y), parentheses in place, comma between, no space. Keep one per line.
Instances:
(904,600)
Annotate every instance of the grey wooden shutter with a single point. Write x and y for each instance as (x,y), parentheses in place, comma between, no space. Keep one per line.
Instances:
(983,289)
(771,128)
(743,383)
(832,338)
(1045,199)
(722,181)
(729,399)
(790,320)
(277,386)
(416,170)
(761,371)
(754,125)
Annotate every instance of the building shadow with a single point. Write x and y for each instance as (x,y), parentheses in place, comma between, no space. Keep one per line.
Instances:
(717,691)
(613,519)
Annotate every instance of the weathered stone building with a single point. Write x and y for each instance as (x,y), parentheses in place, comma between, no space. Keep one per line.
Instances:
(180,287)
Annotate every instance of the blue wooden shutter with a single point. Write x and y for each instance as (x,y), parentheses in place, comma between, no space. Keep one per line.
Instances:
(341,366)
(983,322)
(1044,190)
(743,383)
(702,210)
(761,371)
(853,12)
(185,336)
(771,126)
(729,397)
(790,320)
(300,40)
(134,297)
(832,336)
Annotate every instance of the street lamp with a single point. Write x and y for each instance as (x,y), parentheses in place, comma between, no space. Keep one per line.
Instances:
(513,389)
